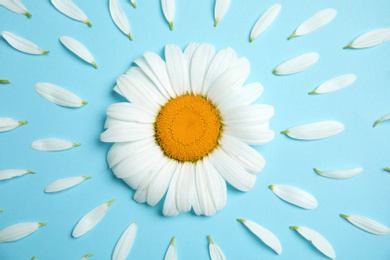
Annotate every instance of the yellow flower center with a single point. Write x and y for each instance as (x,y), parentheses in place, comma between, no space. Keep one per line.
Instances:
(187,128)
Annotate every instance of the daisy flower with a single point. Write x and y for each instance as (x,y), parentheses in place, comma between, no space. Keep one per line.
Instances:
(187,129)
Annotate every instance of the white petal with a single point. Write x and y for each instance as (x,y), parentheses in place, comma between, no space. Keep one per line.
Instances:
(221,62)
(159,185)
(58,95)
(119,18)
(370,39)
(68,8)
(134,3)
(126,132)
(248,115)
(125,242)
(340,174)
(367,224)
(264,234)
(295,196)
(215,252)
(7,124)
(316,21)
(128,112)
(335,84)
(19,231)
(120,151)
(221,6)
(233,78)
(297,64)
(66,183)
(200,63)
(216,184)
(314,131)
(264,21)
(85,257)
(190,50)
(79,49)
(202,193)
(91,219)
(248,157)
(171,252)
(184,187)
(22,44)
(317,240)
(15,6)
(11,173)
(53,144)
(232,171)
(242,96)
(252,135)
(383,118)
(177,68)
(169,8)
(169,208)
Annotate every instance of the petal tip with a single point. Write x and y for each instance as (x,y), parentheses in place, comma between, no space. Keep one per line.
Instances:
(76,144)
(23,122)
(130,36)
(317,171)
(344,216)
(284,132)
(5,81)
(291,36)
(87,22)
(27,14)
(110,202)
(42,224)
(216,22)
(349,46)
(94,64)
(294,227)
(387,169)
(44,52)
(241,220)
(376,123)
(210,239)
(171,25)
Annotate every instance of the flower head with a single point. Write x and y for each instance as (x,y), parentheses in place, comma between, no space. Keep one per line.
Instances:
(187,128)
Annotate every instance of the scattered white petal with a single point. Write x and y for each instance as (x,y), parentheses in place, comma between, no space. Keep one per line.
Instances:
(19,231)
(66,183)
(15,6)
(314,131)
(169,9)
(264,234)
(370,39)
(68,8)
(5,81)
(215,252)
(315,22)
(91,219)
(85,257)
(317,240)
(264,21)
(340,174)
(220,9)
(294,196)
(125,242)
(53,144)
(297,64)
(79,49)
(119,18)
(383,118)
(367,224)
(11,173)
(22,44)
(58,95)
(334,84)
(171,252)
(134,3)
(7,124)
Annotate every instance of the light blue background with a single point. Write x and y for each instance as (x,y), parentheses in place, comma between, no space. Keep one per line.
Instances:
(288,161)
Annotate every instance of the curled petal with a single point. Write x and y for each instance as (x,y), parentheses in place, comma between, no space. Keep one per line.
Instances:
(370,39)
(264,21)
(315,22)
(314,131)
(317,240)
(295,196)
(297,64)
(7,124)
(22,44)
(91,219)
(79,49)
(383,118)
(68,8)
(367,224)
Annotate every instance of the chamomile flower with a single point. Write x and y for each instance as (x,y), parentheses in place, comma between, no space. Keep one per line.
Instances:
(187,128)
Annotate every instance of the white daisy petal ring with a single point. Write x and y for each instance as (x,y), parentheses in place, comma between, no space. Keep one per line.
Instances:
(187,128)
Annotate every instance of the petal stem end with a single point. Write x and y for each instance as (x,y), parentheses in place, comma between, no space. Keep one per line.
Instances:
(294,227)
(171,25)
(173,240)
(42,224)
(349,46)
(5,81)
(344,216)
(110,202)
(87,22)
(285,132)
(216,22)
(376,122)
(27,14)
(291,36)
(241,220)
(210,239)
(387,169)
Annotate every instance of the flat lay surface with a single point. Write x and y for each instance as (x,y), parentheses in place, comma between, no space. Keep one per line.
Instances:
(288,161)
